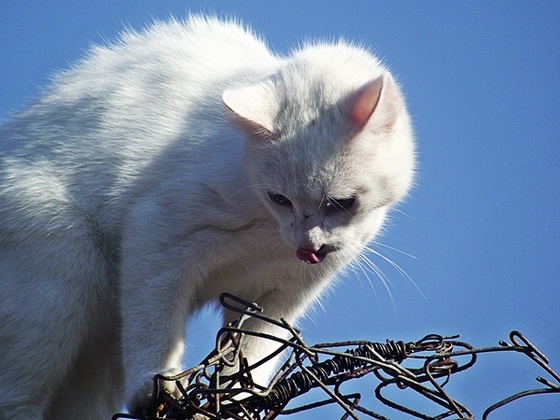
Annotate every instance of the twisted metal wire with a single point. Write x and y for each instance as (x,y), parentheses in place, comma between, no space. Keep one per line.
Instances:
(205,392)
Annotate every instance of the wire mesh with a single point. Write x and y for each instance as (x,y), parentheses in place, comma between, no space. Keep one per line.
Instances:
(424,367)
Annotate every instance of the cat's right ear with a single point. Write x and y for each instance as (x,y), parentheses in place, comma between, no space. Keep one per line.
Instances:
(375,104)
(251,110)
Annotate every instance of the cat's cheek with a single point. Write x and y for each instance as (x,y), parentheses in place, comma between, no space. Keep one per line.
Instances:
(370,228)
(288,237)
(286,230)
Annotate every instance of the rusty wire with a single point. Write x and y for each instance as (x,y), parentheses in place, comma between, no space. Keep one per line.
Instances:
(433,358)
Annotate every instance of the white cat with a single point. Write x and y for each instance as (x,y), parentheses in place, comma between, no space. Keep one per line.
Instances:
(176,164)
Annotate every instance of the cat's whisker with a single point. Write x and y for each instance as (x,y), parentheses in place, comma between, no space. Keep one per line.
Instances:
(357,265)
(377,243)
(396,267)
(373,268)
(397,210)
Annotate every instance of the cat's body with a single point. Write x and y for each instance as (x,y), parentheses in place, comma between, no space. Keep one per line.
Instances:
(130,196)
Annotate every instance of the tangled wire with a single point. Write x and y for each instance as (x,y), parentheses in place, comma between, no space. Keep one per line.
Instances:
(324,367)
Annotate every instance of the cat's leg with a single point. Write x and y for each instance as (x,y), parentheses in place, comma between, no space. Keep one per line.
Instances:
(41,329)
(154,319)
(21,410)
(93,388)
(288,304)
(52,287)
(157,293)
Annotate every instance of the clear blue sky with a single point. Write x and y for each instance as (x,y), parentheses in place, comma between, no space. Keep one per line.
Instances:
(482,81)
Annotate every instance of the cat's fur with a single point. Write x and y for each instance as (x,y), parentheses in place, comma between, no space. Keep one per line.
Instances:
(176,164)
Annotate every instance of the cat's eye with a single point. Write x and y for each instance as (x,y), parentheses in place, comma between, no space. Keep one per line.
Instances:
(341,204)
(279,199)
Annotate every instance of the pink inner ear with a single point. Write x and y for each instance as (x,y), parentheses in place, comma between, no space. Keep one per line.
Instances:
(364,101)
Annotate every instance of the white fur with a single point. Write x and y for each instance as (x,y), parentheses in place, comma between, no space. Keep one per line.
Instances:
(130,196)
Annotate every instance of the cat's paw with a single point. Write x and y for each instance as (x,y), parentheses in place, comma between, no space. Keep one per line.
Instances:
(200,417)
(142,402)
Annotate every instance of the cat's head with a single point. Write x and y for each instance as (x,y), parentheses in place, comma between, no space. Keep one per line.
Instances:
(329,148)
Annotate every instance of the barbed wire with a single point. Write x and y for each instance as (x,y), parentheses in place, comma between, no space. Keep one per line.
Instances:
(424,366)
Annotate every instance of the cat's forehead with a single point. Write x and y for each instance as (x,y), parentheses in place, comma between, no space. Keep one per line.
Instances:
(309,167)
(311,93)
(326,72)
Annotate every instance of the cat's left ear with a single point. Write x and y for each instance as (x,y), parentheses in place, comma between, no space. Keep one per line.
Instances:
(374,104)
(251,110)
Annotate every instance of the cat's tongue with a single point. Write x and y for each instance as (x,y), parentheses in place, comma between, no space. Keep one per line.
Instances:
(309,257)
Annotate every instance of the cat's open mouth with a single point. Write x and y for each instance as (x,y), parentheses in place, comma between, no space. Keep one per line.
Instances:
(312,257)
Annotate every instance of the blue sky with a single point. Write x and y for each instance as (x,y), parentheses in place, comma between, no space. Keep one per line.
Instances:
(482,80)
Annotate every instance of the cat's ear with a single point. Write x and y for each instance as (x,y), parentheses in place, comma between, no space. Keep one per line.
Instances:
(251,110)
(374,103)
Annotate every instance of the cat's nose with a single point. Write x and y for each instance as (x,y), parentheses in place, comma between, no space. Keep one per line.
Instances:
(312,256)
